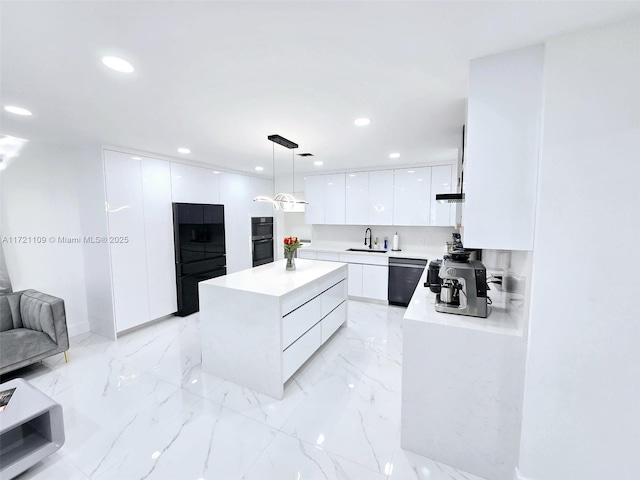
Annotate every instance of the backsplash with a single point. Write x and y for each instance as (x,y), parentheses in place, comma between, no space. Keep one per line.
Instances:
(430,239)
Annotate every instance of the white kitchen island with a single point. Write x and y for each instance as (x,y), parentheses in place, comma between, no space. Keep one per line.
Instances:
(462,386)
(260,325)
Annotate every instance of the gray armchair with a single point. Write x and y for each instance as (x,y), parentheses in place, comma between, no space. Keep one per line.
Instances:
(33,326)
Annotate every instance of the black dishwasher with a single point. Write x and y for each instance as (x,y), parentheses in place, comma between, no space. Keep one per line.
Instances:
(404,275)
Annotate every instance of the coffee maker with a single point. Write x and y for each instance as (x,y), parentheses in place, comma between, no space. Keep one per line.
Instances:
(463,290)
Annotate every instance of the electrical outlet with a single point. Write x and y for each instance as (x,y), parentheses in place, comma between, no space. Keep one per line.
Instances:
(421,242)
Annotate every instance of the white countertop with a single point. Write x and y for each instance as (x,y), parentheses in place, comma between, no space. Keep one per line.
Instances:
(272,278)
(499,321)
(416,254)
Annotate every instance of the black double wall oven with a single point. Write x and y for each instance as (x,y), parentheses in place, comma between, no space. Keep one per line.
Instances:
(199,240)
(262,240)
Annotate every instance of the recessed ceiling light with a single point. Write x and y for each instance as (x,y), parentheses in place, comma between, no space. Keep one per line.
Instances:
(136,158)
(318,163)
(352,174)
(394,155)
(215,171)
(17,110)
(117,64)
(184,150)
(259,169)
(411,171)
(362,122)
(419,179)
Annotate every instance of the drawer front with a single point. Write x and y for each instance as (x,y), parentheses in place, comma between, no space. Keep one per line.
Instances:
(306,254)
(332,322)
(365,258)
(329,281)
(299,321)
(298,353)
(333,297)
(331,257)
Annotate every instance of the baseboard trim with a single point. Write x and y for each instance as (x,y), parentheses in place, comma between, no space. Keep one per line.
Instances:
(518,476)
(78,329)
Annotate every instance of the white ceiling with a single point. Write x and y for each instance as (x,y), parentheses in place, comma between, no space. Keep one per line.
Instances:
(218,77)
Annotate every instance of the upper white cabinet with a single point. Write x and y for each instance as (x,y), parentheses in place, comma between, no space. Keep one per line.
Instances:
(501,157)
(443,180)
(158,226)
(314,192)
(412,192)
(326,197)
(357,198)
(369,198)
(125,215)
(260,187)
(381,198)
(191,184)
(334,199)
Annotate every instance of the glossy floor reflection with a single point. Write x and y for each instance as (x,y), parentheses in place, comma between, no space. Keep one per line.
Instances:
(142,408)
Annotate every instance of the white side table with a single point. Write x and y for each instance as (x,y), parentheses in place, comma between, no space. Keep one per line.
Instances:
(31,428)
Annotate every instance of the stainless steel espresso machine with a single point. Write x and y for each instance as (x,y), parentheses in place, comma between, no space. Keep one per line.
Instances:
(463,290)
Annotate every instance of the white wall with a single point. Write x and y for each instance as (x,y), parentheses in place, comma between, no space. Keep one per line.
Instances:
(581,415)
(40,199)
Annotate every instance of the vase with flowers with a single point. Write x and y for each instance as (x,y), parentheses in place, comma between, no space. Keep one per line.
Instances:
(291,244)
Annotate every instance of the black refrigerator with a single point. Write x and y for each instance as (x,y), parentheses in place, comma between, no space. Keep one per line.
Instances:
(200,250)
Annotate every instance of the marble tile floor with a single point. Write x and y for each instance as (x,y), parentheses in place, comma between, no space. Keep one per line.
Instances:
(142,408)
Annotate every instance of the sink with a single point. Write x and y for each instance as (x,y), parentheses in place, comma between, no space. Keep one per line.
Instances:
(365,250)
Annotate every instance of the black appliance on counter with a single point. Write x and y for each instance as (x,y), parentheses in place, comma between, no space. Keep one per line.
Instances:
(199,240)
(404,276)
(262,240)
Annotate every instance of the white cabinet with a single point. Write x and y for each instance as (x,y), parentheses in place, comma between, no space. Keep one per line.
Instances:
(258,187)
(501,158)
(442,214)
(191,184)
(314,194)
(302,253)
(235,195)
(375,282)
(158,226)
(357,198)
(412,192)
(334,199)
(326,197)
(369,198)
(126,224)
(355,280)
(380,197)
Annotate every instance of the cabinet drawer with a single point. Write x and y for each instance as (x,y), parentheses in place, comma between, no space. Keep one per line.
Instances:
(333,297)
(365,258)
(298,353)
(331,257)
(306,254)
(299,321)
(332,322)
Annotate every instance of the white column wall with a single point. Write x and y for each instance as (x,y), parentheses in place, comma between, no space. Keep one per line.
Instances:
(581,416)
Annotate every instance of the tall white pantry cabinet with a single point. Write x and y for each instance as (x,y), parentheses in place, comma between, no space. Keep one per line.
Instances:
(140,223)
(139,196)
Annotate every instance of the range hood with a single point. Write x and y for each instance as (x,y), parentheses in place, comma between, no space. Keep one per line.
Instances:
(455,197)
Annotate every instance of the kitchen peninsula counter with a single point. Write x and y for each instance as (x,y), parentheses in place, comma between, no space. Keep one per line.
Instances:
(260,325)
(462,386)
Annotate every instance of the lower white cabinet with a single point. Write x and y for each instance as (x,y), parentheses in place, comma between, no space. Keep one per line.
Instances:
(260,325)
(375,282)
(302,253)
(355,280)
(298,353)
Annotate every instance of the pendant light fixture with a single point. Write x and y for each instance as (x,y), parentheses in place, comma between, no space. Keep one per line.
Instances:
(282,201)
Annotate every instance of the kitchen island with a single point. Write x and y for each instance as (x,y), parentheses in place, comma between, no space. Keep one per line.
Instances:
(463,385)
(260,325)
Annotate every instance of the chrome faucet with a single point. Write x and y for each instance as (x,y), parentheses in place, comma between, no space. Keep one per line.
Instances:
(365,237)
